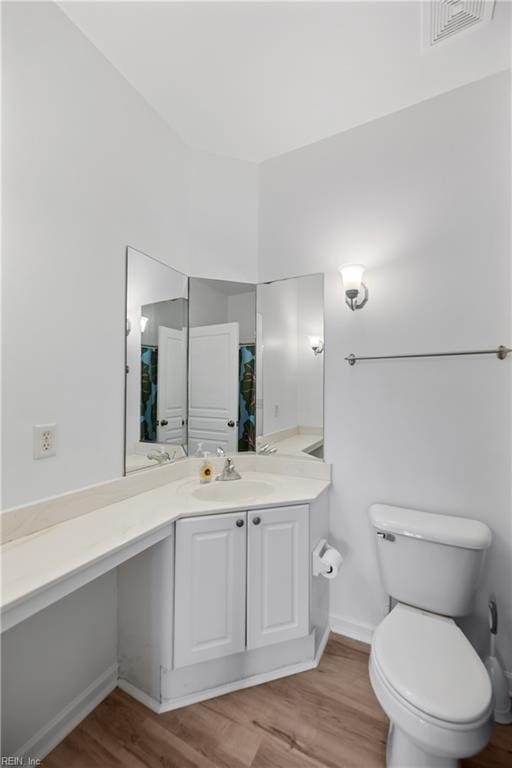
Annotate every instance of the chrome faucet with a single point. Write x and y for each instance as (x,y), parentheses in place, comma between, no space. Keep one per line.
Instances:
(158,455)
(229,472)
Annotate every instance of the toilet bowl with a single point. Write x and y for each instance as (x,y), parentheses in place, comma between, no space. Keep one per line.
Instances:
(433,687)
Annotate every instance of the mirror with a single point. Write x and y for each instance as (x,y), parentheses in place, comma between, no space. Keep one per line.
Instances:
(156,362)
(290,367)
(222,366)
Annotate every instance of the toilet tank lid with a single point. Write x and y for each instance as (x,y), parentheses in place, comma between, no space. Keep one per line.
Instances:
(443,529)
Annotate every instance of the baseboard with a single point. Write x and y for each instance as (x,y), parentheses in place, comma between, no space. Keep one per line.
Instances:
(237,685)
(321,645)
(221,690)
(68,718)
(139,695)
(357,630)
(212,693)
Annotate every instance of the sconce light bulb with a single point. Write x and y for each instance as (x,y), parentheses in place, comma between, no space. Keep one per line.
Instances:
(143,323)
(352,276)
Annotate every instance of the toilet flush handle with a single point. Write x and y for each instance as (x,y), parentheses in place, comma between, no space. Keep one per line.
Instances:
(385,536)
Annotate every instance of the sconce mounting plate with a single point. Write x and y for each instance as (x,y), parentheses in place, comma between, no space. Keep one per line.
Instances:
(351,298)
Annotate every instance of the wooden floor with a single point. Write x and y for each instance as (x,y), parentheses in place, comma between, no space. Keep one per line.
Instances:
(325,717)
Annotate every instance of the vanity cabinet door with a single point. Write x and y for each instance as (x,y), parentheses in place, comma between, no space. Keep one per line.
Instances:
(209,611)
(277,575)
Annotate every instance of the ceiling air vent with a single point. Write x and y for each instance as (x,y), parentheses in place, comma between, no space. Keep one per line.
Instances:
(445,18)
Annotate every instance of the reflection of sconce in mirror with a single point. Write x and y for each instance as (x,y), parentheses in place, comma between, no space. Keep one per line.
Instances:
(356,292)
(143,323)
(316,344)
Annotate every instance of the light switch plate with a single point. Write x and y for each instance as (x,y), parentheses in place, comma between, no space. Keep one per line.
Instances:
(45,441)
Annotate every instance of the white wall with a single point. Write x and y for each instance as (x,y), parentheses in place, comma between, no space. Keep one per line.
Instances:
(223,195)
(51,658)
(423,198)
(89,168)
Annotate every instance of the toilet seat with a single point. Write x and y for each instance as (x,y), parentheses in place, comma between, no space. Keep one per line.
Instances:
(431,667)
(435,737)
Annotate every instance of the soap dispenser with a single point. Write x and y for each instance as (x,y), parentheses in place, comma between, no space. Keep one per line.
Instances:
(206,468)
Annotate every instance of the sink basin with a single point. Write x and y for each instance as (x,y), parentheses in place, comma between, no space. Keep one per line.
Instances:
(233,490)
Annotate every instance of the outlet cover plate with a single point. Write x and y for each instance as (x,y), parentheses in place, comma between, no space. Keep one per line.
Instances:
(45,441)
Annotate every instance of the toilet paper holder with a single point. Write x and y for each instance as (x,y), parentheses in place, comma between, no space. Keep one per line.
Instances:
(319,567)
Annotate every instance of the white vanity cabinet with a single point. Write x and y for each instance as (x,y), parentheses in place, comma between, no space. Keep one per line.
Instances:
(210,573)
(239,604)
(241,581)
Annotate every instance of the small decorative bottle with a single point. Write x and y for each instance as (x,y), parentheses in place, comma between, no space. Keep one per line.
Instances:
(206,469)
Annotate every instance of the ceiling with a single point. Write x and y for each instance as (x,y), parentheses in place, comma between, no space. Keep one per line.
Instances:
(253,80)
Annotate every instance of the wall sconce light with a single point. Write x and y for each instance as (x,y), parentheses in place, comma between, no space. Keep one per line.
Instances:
(356,292)
(143,323)
(317,344)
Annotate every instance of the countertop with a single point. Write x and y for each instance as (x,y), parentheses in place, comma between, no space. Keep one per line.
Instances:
(33,564)
(301,444)
(296,442)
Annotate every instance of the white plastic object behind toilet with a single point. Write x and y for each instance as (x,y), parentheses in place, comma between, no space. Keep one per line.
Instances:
(502,700)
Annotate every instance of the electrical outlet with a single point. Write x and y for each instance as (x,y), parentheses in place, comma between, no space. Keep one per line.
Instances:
(45,441)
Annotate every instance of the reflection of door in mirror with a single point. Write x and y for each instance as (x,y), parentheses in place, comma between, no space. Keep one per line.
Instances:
(213,395)
(171,385)
(222,376)
(291,368)
(156,356)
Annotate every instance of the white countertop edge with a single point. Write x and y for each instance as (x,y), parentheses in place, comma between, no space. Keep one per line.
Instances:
(119,545)
(27,605)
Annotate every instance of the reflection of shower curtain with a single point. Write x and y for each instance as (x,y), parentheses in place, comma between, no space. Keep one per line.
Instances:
(148,392)
(247,416)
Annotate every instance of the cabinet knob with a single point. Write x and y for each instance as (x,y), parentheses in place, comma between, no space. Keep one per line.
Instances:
(240,523)
(231,423)
(164,423)
(256,520)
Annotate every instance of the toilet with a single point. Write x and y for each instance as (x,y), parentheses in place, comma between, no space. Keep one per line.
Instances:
(426,675)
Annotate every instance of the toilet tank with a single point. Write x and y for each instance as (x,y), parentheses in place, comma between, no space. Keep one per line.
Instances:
(427,560)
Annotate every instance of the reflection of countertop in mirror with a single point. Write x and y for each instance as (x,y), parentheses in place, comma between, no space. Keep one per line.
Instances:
(295,441)
(105,528)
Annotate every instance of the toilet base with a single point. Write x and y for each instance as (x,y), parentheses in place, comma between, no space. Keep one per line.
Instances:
(402,752)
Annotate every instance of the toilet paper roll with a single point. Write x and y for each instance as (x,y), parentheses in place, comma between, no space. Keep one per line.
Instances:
(331,560)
